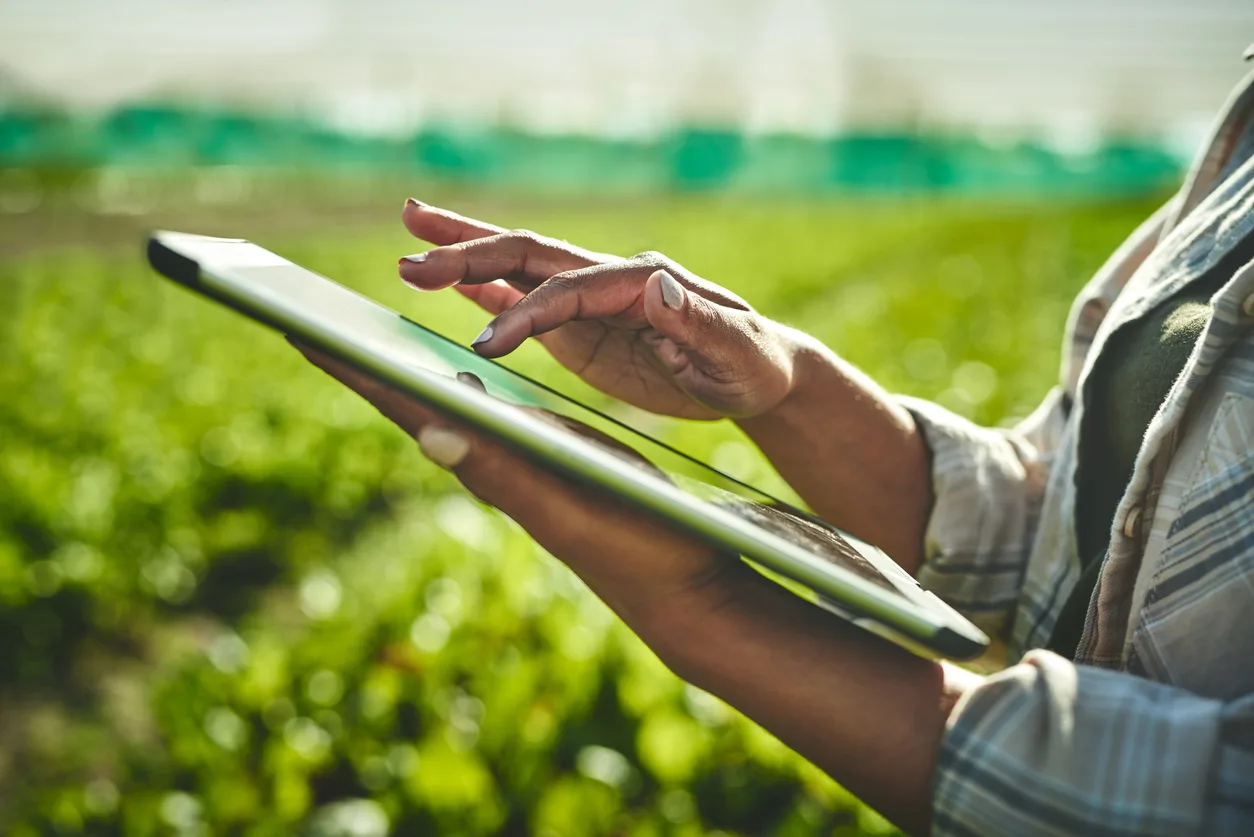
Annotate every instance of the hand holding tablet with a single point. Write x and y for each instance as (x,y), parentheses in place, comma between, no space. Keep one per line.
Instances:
(646,571)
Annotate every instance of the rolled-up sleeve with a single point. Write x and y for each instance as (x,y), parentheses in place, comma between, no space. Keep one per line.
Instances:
(1051,747)
(988,484)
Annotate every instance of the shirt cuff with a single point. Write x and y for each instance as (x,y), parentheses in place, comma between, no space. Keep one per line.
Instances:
(1049,747)
(979,533)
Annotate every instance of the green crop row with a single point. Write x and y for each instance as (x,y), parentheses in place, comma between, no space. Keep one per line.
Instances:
(234,600)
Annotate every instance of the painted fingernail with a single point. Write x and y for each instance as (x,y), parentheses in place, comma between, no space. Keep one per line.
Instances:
(446,448)
(472,380)
(672,292)
(416,258)
(484,336)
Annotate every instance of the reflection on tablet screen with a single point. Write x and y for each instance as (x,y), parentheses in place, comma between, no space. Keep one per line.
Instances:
(811,536)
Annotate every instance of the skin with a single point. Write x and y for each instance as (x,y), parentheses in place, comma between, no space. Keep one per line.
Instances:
(604,318)
(863,710)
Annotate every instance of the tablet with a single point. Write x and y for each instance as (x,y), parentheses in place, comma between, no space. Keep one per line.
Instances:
(847,576)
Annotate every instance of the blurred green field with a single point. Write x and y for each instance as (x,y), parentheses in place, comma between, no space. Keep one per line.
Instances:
(234,600)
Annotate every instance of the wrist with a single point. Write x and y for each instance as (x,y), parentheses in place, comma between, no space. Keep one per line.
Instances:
(850,450)
(810,364)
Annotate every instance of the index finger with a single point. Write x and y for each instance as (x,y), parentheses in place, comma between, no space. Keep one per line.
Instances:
(443,226)
(522,258)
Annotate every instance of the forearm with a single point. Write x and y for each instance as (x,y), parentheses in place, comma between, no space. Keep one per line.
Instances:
(866,712)
(851,452)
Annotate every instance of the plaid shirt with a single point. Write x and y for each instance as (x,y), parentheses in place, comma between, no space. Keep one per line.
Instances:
(1151,729)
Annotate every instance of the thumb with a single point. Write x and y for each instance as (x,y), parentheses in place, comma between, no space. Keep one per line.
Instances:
(694,330)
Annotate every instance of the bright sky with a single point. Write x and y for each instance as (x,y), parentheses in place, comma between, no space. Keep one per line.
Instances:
(1071,68)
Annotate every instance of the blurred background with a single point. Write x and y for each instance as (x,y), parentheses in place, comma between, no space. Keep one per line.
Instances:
(233,600)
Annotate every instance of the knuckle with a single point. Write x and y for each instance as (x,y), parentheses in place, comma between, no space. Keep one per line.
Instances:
(654,259)
(703,316)
(564,282)
(522,236)
(553,292)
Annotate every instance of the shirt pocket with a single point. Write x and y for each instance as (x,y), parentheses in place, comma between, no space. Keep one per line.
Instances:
(1198,618)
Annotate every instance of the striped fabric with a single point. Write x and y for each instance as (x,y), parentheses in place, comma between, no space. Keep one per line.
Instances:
(1150,730)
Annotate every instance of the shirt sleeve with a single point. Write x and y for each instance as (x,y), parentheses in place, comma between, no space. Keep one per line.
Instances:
(1048,747)
(988,484)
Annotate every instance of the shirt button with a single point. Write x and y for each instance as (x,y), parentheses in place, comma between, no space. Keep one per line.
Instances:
(1132,523)
(1247,305)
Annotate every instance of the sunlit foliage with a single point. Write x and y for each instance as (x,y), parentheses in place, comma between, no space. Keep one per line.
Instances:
(234,600)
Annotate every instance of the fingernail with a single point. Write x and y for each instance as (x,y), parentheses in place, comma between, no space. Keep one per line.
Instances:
(484,336)
(416,258)
(672,292)
(446,448)
(472,380)
(414,202)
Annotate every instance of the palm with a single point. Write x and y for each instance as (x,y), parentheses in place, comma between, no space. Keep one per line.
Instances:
(618,361)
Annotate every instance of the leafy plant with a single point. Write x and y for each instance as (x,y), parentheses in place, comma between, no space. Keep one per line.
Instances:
(234,600)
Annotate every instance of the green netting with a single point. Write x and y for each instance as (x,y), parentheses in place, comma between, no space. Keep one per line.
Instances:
(690,159)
